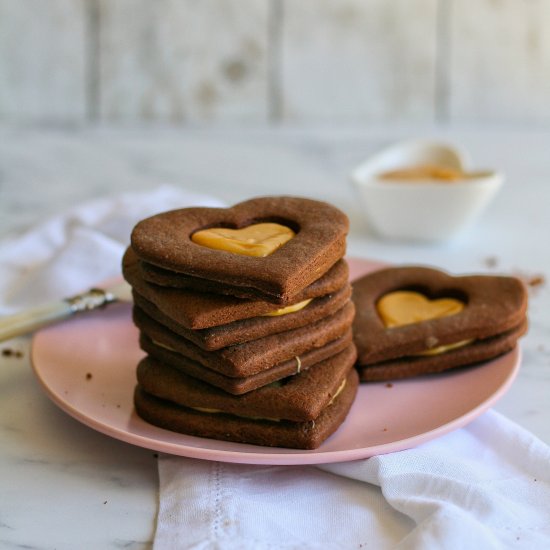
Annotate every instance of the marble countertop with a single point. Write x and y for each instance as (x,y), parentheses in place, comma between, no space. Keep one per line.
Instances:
(65,486)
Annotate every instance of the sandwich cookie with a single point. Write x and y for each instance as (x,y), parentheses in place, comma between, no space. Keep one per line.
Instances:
(238,332)
(418,320)
(298,398)
(239,385)
(229,427)
(199,310)
(268,248)
(254,356)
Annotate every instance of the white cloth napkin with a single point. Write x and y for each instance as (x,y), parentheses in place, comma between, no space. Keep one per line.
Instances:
(71,252)
(484,486)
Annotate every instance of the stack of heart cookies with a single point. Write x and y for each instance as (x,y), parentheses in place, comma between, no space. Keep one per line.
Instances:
(245,316)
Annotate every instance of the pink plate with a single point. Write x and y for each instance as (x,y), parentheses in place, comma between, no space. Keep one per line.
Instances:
(87,367)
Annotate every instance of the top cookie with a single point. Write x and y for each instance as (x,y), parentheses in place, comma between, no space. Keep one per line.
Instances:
(317,240)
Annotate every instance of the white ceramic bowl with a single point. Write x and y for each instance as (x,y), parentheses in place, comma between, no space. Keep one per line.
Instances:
(422,210)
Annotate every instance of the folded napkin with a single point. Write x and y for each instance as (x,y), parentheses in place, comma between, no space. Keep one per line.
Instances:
(484,486)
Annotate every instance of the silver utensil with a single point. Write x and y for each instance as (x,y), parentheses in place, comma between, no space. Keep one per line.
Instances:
(35,318)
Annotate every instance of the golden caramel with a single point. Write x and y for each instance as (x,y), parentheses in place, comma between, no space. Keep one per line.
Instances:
(260,239)
(288,309)
(424,172)
(405,307)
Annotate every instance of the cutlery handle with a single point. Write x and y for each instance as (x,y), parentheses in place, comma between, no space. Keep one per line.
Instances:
(33,319)
(41,316)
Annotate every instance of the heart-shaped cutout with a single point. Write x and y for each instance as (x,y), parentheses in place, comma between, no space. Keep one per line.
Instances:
(165,241)
(406,307)
(259,239)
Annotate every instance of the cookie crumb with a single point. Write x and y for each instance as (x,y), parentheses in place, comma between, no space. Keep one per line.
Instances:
(537,280)
(389,385)
(385,430)
(491,262)
(531,281)
(88,376)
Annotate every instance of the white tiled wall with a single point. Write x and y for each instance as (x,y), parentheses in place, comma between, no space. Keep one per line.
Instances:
(260,61)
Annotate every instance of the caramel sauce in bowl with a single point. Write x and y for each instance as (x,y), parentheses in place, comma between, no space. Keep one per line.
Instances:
(422,191)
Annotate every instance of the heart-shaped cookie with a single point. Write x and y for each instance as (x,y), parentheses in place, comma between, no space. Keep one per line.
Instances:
(454,313)
(317,241)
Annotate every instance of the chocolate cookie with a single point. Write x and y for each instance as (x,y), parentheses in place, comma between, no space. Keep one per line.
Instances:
(251,357)
(475,352)
(241,385)
(228,427)
(464,320)
(239,332)
(318,242)
(299,397)
(199,310)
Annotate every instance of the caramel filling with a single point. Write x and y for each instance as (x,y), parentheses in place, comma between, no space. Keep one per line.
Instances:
(164,346)
(288,309)
(218,411)
(404,307)
(338,392)
(260,239)
(424,172)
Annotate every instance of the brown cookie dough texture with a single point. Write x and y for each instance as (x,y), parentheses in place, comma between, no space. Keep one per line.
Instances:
(165,241)
(291,400)
(198,310)
(254,356)
(228,427)
(493,319)
(217,365)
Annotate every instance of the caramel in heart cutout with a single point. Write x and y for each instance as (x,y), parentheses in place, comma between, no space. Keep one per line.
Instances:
(493,305)
(405,307)
(259,239)
(165,241)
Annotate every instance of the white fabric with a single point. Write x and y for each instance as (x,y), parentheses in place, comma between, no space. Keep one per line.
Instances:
(71,252)
(484,486)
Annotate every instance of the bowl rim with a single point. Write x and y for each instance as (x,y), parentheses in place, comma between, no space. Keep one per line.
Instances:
(493,178)
(364,174)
